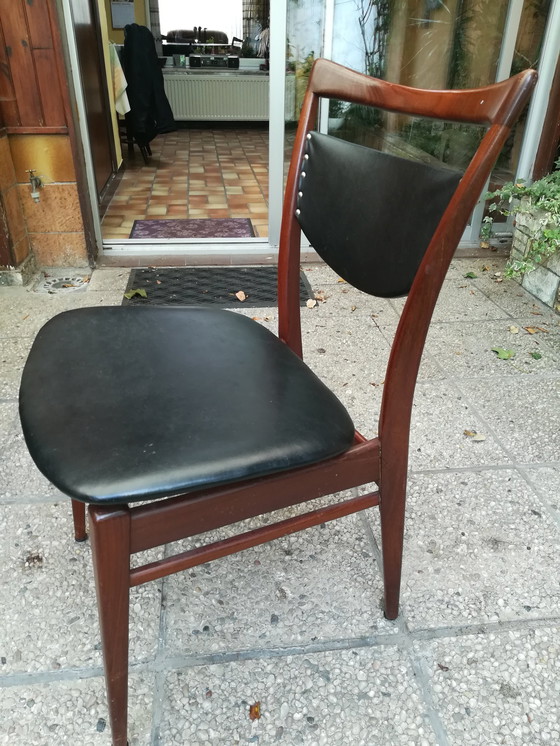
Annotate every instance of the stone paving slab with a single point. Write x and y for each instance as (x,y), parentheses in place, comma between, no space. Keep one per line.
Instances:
(468,350)
(278,595)
(296,625)
(480,547)
(499,688)
(45,572)
(519,413)
(71,713)
(353,697)
(440,416)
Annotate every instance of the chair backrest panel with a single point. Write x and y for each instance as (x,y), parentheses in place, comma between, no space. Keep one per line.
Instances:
(370,215)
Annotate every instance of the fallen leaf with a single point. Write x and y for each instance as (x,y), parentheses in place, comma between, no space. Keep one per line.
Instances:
(484,245)
(136,291)
(255,711)
(311,303)
(69,285)
(341,280)
(485,267)
(240,295)
(353,309)
(320,295)
(442,667)
(535,355)
(535,329)
(158,282)
(473,435)
(256,318)
(471,275)
(514,329)
(503,354)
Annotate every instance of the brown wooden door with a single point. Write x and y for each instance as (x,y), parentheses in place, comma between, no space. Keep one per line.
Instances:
(92,72)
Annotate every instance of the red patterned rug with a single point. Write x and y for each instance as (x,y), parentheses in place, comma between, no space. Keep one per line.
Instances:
(193,228)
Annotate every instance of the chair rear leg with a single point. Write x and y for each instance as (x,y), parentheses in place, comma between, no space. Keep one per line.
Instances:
(392,508)
(110,536)
(79,517)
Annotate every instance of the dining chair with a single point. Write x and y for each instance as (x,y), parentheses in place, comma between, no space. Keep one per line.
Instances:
(136,411)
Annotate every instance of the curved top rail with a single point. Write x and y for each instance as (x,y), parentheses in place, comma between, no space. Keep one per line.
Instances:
(499,103)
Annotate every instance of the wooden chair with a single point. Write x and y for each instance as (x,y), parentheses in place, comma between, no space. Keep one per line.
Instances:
(136,411)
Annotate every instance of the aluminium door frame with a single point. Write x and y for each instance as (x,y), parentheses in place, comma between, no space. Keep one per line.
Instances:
(254,249)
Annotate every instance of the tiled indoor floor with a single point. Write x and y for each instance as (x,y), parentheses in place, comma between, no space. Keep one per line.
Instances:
(201,172)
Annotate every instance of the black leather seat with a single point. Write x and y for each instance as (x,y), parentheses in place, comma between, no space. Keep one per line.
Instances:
(210,397)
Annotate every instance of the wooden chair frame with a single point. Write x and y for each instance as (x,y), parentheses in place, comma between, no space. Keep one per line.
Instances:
(120,531)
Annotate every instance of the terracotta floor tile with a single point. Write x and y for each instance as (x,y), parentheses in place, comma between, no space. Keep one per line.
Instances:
(199,172)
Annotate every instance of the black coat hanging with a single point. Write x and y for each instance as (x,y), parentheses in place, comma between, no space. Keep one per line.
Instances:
(150,113)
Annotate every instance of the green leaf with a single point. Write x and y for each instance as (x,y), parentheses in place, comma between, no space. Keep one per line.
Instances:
(136,291)
(471,275)
(535,355)
(503,354)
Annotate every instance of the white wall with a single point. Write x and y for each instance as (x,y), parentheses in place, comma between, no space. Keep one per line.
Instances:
(218,15)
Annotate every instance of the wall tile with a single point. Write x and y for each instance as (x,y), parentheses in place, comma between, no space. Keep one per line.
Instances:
(49,155)
(59,249)
(57,210)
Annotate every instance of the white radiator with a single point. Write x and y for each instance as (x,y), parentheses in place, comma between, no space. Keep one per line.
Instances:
(212,97)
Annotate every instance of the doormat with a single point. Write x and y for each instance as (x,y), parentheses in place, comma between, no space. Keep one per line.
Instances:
(193,228)
(193,286)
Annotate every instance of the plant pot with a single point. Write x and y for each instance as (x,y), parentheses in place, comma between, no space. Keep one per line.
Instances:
(544,281)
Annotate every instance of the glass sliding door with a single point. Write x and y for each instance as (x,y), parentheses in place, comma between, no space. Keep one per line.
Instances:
(434,44)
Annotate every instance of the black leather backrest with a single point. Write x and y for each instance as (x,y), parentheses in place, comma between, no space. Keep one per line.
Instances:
(370,215)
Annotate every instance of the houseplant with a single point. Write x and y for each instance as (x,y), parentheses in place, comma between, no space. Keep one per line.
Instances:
(535,256)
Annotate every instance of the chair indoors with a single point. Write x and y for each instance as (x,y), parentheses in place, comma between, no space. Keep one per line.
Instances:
(138,425)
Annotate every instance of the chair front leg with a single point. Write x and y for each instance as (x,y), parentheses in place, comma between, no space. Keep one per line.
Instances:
(79,518)
(110,536)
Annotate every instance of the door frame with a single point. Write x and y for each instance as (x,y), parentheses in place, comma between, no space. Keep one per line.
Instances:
(215,249)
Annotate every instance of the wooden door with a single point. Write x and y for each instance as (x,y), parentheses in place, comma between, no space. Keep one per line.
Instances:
(92,73)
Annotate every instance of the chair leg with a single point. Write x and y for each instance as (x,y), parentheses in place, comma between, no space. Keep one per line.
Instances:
(79,517)
(145,156)
(110,537)
(392,509)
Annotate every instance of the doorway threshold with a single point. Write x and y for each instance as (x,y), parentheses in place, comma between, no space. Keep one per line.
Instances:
(202,252)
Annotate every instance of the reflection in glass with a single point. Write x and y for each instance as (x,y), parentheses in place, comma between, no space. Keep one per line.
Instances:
(430,44)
